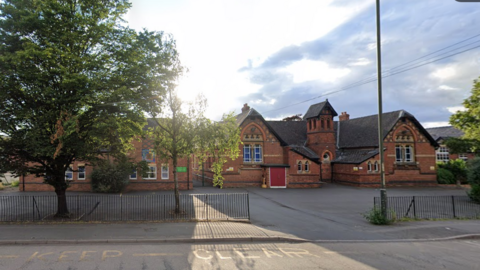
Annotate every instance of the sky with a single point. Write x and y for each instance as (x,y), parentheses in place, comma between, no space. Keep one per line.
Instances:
(282,56)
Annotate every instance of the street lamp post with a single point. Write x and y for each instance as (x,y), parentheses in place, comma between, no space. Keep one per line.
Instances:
(383,190)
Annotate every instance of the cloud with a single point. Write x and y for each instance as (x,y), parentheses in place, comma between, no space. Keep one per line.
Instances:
(409,31)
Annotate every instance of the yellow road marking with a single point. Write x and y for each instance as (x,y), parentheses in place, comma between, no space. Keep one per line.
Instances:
(156,254)
(8,256)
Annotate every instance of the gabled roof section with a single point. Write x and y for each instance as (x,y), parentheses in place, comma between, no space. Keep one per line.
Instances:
(363,132)
(290,132)
(315,109)
(354,156)
(250,112)
(294,135)
(439,133)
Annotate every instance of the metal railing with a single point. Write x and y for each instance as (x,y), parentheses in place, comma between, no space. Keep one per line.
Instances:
(431,207)
(228,206)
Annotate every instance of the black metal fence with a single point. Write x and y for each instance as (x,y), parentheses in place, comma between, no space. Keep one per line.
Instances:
(431,207)
(228,206)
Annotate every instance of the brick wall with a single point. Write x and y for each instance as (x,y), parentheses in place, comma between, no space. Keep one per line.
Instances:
(302,179)
(421,172)
(33,183)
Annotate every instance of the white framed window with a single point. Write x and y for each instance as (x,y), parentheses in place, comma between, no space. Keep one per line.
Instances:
(69,173)
(442,154)
(299,166)
(307,166)
(463,156)
(81,172)
(398,153)
(152,172)
(404,153)
(133,176)
(252,153)
(247,155)
(375,166)
(165,171)
(408,153)
(369,166)
(257,153)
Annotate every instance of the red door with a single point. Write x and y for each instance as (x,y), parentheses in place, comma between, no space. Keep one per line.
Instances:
(277,177)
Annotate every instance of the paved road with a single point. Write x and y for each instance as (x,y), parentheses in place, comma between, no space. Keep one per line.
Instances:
(420,255)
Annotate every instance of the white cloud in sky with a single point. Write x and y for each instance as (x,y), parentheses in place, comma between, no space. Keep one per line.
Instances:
(308,70)
(275,53)
(435,124)
(444,73)
(215,38)
(456,109)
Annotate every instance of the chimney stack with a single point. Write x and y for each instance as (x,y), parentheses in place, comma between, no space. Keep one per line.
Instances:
(344,116)
(245,108)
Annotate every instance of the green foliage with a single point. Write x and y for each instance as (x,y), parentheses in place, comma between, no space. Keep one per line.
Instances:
(461,145)
(75,82)
(15,183)
(468,120)
(376,217)
(445,177)
(474,193)
(112,176)
(457,168)
(473,177)
(219,140)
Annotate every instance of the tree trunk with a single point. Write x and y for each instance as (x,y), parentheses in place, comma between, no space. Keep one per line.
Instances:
(175,180)
(62,210)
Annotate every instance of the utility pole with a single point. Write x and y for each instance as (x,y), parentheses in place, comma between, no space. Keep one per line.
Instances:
(383,190)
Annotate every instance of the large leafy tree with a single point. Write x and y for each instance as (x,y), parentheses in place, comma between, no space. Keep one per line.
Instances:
(181,132)
(469,119)
(74,83)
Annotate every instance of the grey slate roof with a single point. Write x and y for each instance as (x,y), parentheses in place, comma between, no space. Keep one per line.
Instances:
(363,132)
(445,132)
(294,134)
(291,132)
(242,116)
(315,109)
(357,138)
(354,156)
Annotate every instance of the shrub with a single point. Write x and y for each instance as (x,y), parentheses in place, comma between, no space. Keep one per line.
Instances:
(445,176)
(112,177)
(376,217)
(473,177)
(458,168)
(15,183)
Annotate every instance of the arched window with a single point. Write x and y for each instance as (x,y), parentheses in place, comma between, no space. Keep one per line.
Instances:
(310,124)
(314,123)
(299,166)
(369,166)
(398,153)
(376,166)
(404,153)
(257,153)
(328,123)
(408,153)
(247,155)
(307,166)
(322,124)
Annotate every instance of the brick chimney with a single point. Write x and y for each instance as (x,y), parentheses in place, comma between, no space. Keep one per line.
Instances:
(344,116)
(245,108)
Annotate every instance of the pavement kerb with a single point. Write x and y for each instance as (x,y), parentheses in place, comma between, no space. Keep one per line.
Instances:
(222,239)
